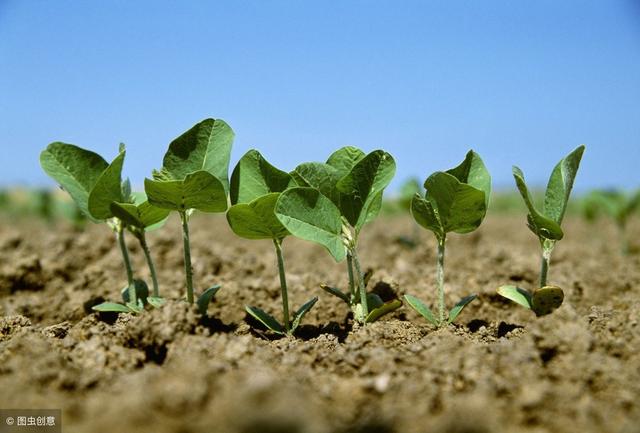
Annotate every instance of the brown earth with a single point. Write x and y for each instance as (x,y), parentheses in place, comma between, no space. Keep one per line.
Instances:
(500,369)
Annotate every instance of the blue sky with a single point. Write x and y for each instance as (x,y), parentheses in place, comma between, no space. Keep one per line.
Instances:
(520,82)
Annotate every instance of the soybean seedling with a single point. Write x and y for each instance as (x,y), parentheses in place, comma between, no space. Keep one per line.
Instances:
(618,205)
(330,207)
(408,189)
(546,225)
(455,201)
(256,186)
(194,176)
(94,184)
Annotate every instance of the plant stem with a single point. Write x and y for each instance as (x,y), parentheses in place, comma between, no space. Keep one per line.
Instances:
(352,285)
(363,290)
(152,268)
(188,270)
(283,285)
(544,267)
(624,242)
(127,264)
(440,279)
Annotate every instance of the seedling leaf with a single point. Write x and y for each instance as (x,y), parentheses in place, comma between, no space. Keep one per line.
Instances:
(322,177)
(516,294)
(108,189)
(199,190)
(111,307)
(156,301)
(300,313)
(425,215)
(257,220)
(309,215)
(335,292)
(421,308)
(76,170)
(374,301)
(560,185)
(205,299)
(385,308)
(546,299)
(266,319)
(457,309)
(142,216)
(472,171)
(254,177)
(206,146)
(539,224)
(142,291)
(344,159)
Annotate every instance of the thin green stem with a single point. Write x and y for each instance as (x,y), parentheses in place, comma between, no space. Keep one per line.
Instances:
(440,279)
(188,270)
(152,268)
(127,263)
(352,285)
(544,267)
(363,290)
(283,285)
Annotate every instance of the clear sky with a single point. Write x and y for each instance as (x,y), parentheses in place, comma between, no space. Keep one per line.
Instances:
(520,82)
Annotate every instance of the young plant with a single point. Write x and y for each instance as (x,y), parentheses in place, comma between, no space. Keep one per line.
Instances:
(408,190)
(618,206)
(94,185)
(194,176)
(545,224)
(333,202)
(255,188)
(455,201)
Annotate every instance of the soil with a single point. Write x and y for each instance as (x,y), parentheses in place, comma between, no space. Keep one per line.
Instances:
(499,369)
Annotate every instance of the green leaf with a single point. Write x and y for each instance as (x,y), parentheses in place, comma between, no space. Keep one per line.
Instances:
(368,177)
(457,309)
(336,292)
(516,294)
(156,301)
(546,299)
(309,215)
(380,311)
(205,299)
(76,170)
(300,313)
(142,291)
(254,177)
(107,189)
(539,224)
(560,185)
(425,215)
(204,147)
(199,190)
(472,171)
(459,207)
(111,307)
(421,308)
(266,319)
(344,159)
(322,177)
(374,301)
(408,189)
(257,220)
(143,216)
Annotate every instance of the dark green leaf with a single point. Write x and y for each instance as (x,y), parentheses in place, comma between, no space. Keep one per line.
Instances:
(199,190)
(142,291)
(344,159)
(254,177)
(107,190)
(472,171)
(335,292)
(385,308)
(560,185)
(425,215)
(205,299)
(266,319)
(300,313)
(257,220)
(142,216)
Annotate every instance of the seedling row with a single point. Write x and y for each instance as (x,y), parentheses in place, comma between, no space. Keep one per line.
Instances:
(328,203)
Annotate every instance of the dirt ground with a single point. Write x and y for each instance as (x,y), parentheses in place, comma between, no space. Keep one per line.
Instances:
(500,369)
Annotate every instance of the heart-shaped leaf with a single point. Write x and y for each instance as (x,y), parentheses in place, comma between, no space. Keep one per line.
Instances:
(560,185)
(257,220)
(254,177)
(300,313)
(143,215)
(205,299)
(546,299)
(204,147)
(380,311)
(76,170)
(457,309)
(421,308)
(266,319)
(108,189)
(539,224)
(309,215)
(199,190)
(516,294)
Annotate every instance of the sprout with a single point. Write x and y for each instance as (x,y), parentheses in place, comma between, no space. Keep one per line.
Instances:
(618,205)
(546,225)
(455,201)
